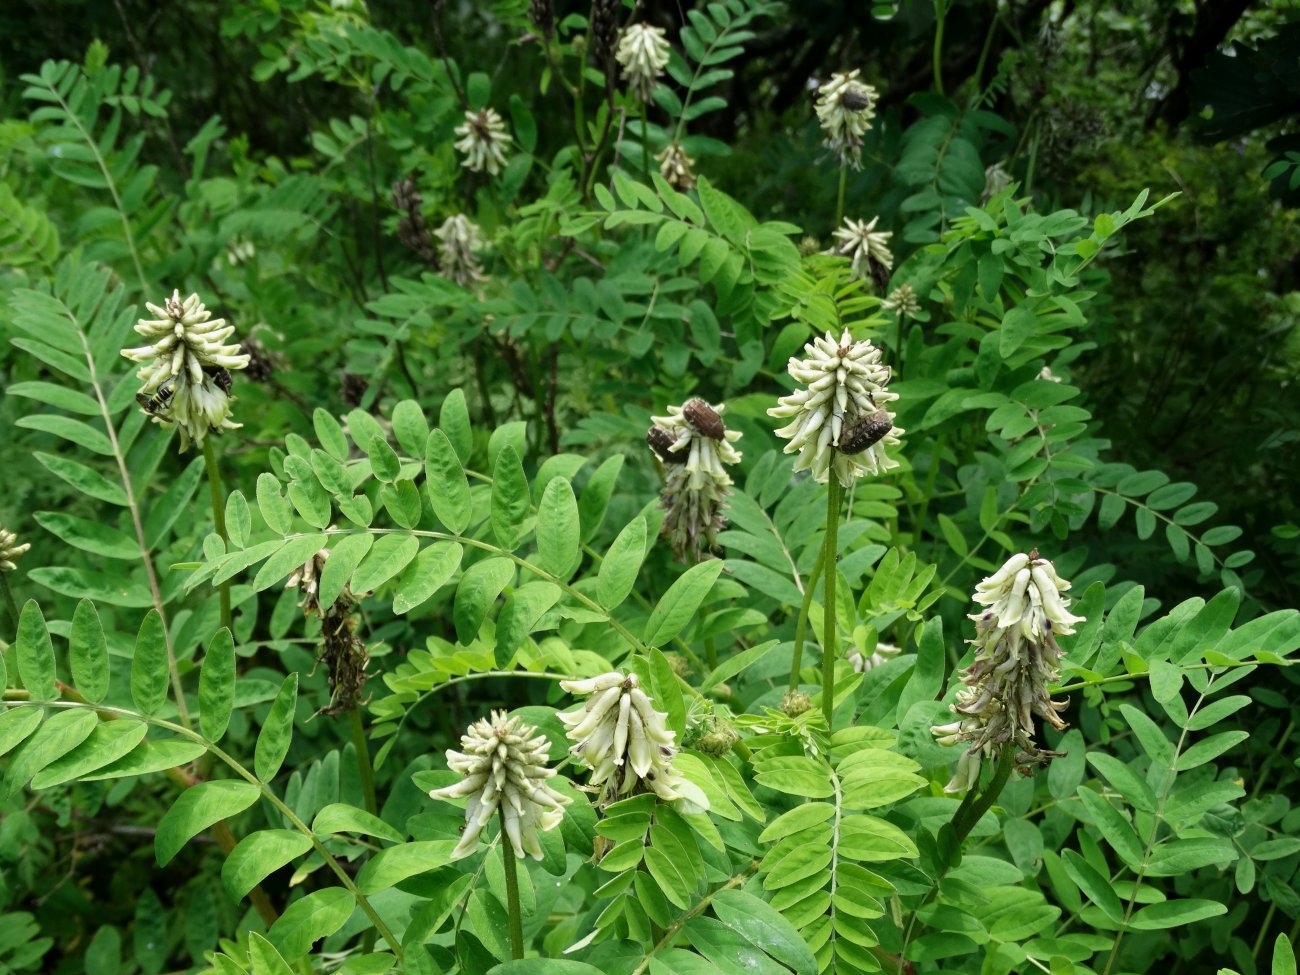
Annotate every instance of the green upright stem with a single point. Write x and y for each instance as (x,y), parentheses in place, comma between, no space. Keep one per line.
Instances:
(10,606)
(512,892)
(645,142)
(839,199)
(219,520)
(938,45)
(801,624)
(364,768)
(830,627)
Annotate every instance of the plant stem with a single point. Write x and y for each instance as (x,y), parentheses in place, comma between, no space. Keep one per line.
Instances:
(801,624)
(839,199)
(938,45)
(512,892)
(10,606)
(645,143)
(830,626)
(219,520)
(364,768)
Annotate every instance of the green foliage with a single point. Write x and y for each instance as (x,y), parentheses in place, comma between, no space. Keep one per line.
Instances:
(440,505)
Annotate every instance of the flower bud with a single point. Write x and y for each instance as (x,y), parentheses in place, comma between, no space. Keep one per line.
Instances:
(10,550)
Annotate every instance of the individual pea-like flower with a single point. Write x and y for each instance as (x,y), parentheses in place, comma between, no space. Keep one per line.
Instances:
(1016,659)
(902,301)
(676,167)
(838,419)
(620,735)
(643,54)
(866,248)
(458,239)
(10,550)
(696,448)
(845,108)
(483,140)
(186,368)
(503,762)
(862,663)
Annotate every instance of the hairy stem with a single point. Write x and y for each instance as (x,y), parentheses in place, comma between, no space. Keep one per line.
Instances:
(512,892)
(830,626)
(219,521)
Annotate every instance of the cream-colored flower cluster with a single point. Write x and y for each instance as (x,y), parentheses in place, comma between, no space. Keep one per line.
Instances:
(866,248)
(696,448)
(676,167)
(862,663)
(621,736)
(845,108)
(503,762)
(1016,658)
(186,368)
(838,419)
(643,53)
(483,140)
(10,550)
(902,301)
(458,239)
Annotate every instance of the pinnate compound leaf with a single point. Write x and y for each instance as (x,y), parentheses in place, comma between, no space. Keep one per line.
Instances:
(258,855)
(88,653)
(217,685)
(277,733)
(149,673)
(36,654)
(197,808)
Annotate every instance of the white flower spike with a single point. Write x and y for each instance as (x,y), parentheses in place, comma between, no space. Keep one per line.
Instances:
(504,767)
(1016,658)
(845,108)
(186,368)
(866,248)
(622,737)
(459,238)
(483,140)
(643,53)
(839,421)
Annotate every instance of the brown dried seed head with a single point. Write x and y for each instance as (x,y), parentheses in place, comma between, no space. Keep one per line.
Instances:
(704,418)
(661,441)
(865,430)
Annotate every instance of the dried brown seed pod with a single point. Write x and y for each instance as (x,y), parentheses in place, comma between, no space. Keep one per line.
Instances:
(865,429)
(704,418)
(661,442)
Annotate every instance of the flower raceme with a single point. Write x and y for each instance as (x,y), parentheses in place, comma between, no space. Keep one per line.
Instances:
(186,368)
(866,248)
(845,108)
(483,140)
(643,53)
(1016,659)
(10,550)
(459,238)
(622,737)
(838,420)
(504,767)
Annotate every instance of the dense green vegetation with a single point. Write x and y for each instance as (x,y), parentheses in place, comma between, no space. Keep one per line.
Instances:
(554,489)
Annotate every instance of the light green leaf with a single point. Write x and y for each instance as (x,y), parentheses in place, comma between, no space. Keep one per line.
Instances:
(55,738)
(1175,914)
(510,500)
(557,529)
(305,921)
(1098,888)
(149,673)
(395,864)
(478,589)
(453,419)
(339,817)
(217,685)
(277,733)
(264,959)
(430,571)
(330,434)
(275,510)
(445,483)
(759,923)
(35,654)
(343,561)
(523,608)
(258,855)
(618,570)
(596,495)
(738,663)
(390,555)
(88,653)
(95,537)
(16,723)
(680,602)
(149,756)
(107,743)
(85,479)
(239,519)
(197,808)
(288,559)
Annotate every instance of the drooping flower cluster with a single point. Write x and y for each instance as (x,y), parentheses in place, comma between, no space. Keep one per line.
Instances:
(186,368)
(696,448)
(10,550)
(839,420)
(902,301)
(866,248)
(483,140)
(845,108)
(504,767)
(676,167)
(862,663)
(643,54)
(1016,658)
(622,737)
(458,239)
